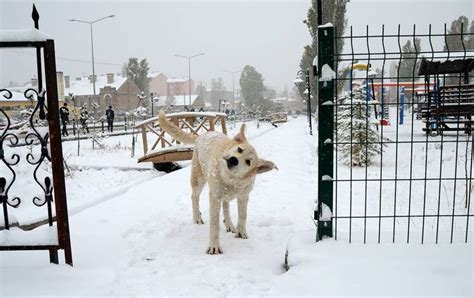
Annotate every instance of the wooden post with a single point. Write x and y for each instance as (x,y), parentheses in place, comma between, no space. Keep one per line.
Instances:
(211,122)
(145,141)
(224,127)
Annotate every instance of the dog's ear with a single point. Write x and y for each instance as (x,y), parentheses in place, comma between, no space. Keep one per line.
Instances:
(265,166)
(240,137)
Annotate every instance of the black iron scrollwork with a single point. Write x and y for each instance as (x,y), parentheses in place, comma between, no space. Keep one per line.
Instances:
(15,159)
(34,136)
(44,153)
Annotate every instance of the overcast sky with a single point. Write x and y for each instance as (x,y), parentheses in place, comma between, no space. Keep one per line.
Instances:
(269,35)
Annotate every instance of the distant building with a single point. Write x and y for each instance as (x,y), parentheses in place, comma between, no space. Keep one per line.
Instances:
(179,86)
(179,102)
(112,89)
(15,104)
(157,84)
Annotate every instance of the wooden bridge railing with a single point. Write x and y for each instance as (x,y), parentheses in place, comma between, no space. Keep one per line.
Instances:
(160,147)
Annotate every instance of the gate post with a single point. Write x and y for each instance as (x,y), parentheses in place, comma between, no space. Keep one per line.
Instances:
(57,162)
(325,133)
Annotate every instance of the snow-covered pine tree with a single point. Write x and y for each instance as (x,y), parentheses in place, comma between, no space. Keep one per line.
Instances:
(365,137)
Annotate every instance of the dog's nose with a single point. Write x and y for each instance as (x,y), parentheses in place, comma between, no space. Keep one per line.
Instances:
(232,162)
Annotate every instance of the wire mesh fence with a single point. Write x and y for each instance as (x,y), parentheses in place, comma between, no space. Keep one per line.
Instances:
(402,138)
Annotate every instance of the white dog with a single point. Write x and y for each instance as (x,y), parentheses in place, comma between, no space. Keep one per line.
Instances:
(229,166)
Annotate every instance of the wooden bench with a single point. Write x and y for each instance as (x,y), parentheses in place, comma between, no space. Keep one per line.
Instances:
(164,148)
(449,109)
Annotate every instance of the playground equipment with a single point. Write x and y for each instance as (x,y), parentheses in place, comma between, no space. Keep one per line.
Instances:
(403,88)
(165,149)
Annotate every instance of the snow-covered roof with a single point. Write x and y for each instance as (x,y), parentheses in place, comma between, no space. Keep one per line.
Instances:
(29,34)
(279,99)
(154,74)
(85,87)
(179,100)
(177,80)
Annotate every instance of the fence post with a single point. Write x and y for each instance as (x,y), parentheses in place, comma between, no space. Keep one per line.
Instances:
(325,134)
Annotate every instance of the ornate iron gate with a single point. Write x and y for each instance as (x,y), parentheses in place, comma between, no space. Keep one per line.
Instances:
(395,137)
(48,138)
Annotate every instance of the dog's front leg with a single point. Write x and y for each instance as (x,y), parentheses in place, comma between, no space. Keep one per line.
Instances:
(214,210)
(242,202)
(229,226)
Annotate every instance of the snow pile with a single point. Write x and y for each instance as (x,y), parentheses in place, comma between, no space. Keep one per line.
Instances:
(327,74)
(336,268)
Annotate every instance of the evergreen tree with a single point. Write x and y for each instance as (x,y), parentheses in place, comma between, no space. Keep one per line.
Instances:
(410,63)
(457,42)
(138,73)
(470,38)
(355,123)
(407,66)
(251,85)
(333,11)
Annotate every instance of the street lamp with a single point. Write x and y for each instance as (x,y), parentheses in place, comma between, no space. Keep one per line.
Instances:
(233,89)
(189,71)
(92,46)
(299,82)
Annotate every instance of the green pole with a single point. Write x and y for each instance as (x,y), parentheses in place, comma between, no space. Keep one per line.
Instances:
(325,134)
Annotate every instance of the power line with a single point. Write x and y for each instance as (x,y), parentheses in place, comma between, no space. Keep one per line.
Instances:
(66,58)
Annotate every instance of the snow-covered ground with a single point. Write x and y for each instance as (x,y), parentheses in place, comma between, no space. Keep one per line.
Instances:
(132,234)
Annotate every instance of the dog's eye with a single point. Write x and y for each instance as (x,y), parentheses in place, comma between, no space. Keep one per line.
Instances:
(247,161)
(240,150)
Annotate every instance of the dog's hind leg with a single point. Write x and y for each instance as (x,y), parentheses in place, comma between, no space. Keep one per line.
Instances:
(229,226)
(197,184)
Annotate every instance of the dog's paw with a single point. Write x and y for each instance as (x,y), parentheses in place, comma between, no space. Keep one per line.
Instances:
(241,234)
(214,250)
(229,227)
(198,220)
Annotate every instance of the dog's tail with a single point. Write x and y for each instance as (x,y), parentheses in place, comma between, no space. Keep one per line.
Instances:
(175,132)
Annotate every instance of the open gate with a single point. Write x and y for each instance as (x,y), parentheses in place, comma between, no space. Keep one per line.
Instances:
(43,164)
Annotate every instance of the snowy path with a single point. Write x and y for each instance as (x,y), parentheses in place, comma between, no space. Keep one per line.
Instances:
(143,242)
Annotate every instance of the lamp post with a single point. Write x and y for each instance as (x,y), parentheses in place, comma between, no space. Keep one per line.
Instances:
(92,46)
(189,71)
(233,84)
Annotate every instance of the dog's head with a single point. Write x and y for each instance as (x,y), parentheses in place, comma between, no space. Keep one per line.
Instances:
(241,159)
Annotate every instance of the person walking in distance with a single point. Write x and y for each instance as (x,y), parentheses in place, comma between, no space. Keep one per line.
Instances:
(64,114)
(109,113)
(83,118)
